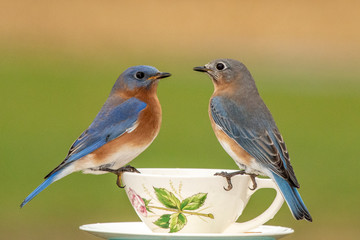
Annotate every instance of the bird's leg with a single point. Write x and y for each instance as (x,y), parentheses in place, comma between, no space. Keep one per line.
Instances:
(228,177)
(119,172)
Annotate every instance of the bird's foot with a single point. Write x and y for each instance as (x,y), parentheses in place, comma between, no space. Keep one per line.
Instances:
(119,172)
(252,177)
(228,177)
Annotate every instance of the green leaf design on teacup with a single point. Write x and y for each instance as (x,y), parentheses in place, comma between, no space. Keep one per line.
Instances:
(147,205)
(163,221)
(194,202)
(177,222)
(167,198)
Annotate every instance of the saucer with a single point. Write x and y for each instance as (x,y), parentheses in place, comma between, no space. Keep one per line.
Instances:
(139,231)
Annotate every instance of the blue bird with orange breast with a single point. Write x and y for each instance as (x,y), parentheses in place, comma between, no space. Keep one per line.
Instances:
(126,125)
(247,131)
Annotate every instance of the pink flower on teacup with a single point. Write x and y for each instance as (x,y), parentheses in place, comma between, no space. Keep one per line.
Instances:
(137,202)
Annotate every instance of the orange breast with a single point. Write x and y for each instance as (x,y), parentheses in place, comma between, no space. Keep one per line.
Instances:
(148,126)
(235,151)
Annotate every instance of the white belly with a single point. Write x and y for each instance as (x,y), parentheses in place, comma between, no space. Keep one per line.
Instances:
(117,160)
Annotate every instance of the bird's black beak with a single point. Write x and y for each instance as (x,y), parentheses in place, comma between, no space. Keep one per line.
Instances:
(163,75)
(160,75)
(201,69)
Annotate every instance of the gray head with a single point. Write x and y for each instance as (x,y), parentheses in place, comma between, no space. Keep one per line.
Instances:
(227,71)
(139,77)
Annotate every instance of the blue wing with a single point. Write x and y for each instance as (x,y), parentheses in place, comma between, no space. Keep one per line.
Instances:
(256,132)
(110,123)
(254,129)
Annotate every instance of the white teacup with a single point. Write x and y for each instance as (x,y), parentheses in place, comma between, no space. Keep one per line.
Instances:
(194,200)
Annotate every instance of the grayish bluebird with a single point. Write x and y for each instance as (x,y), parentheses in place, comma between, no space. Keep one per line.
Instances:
(247,131)
(126,125)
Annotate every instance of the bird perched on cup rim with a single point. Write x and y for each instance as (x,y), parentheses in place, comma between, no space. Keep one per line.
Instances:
(247,131)
(126,125)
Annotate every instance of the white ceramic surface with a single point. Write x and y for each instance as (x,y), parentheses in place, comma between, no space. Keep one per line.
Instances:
(138,231)
(194,200)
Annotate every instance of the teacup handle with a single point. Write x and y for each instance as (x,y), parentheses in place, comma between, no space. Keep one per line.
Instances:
(269,213)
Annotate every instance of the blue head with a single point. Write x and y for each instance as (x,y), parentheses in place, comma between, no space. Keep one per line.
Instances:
(139,77)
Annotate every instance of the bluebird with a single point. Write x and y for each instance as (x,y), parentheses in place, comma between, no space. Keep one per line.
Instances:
(126,125)
(247,131)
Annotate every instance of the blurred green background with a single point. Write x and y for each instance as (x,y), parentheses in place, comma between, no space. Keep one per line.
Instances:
(59,61)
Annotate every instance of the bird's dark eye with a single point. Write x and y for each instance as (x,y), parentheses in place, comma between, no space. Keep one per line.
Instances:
(140,75)
(220,66)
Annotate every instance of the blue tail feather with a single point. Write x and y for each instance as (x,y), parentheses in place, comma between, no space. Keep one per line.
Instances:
(41,187)
(293,199)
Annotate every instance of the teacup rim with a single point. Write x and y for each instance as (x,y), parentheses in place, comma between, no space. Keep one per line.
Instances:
(215,170)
